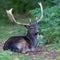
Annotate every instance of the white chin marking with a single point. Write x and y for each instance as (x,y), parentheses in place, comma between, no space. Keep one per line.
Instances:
(38,36)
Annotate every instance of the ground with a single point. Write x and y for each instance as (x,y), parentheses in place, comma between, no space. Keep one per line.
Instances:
(41,54)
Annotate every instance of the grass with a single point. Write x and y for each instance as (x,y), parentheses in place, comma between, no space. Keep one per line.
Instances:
(7,30)
(53,47)
(6,55)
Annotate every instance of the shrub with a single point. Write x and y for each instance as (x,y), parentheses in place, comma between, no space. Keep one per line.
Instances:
(50,24)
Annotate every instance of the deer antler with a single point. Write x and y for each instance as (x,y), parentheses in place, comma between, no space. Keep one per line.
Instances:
(41,12)
(11,17)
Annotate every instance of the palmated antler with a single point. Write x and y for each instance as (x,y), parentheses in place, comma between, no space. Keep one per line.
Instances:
(11,17)
(41,12)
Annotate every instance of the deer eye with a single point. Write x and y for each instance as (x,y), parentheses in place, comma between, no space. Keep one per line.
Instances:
(36,33)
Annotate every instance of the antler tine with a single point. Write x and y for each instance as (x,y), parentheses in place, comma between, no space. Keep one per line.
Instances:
(30,20)
(11,17)
(40,4)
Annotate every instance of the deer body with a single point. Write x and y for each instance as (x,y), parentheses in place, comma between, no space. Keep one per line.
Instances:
(20,43)
(23,44)
(16,44)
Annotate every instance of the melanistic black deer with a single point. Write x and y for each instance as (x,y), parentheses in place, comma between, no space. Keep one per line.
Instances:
(23,44)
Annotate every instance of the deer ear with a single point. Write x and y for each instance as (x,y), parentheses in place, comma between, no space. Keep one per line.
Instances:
(27,26)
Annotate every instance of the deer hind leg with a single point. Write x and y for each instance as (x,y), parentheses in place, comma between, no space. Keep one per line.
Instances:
(25,49)
(14,49)
(22,45)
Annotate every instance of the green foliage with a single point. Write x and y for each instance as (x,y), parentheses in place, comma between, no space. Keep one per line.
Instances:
(4,5)
(23,6)
(20,6)
(50,24)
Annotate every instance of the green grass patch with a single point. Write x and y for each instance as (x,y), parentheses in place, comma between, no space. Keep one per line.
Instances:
(53,47)
(8,30)
(6,55)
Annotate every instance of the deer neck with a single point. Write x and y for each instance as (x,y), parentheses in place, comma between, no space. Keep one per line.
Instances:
(32,40)
(30,36)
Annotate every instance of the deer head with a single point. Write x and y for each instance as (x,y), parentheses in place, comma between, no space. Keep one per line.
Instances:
(32,33)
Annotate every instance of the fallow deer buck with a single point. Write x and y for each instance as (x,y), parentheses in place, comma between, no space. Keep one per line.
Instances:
(23,44)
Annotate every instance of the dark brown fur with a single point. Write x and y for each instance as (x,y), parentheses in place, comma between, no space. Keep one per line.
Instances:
(17,41)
